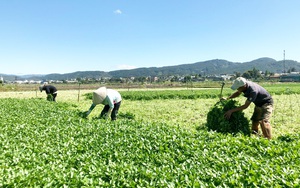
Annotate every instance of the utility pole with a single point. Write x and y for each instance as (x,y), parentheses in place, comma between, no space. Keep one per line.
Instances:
(284,61)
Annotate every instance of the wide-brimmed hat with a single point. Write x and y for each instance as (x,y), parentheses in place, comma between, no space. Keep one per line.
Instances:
(238,82)
(99,95)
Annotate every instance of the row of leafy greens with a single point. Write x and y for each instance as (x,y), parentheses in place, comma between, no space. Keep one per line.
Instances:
(46,144)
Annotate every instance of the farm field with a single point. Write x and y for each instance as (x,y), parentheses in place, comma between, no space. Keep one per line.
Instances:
(159,140)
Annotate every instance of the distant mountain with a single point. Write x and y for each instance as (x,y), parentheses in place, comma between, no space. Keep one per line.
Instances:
(211,67)
(79,74)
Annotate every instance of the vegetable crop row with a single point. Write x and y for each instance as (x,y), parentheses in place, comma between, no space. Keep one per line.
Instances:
(196,93)
(47,144)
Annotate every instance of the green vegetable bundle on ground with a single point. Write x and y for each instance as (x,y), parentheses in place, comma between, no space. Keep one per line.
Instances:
(237,123)
(49,97)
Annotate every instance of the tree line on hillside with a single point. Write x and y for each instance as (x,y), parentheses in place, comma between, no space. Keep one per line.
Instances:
(206,68)
(253,74)
(202,69)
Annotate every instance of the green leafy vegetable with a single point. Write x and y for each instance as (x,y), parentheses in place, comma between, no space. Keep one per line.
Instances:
(237,123)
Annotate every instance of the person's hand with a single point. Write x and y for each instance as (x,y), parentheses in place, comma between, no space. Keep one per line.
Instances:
(223,98)
(227,115)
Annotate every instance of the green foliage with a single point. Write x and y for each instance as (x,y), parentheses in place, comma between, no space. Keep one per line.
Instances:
(49,97)
(50,145)
(167,94)
(126,115)
(252,74)
(282,89)
(237,123)
(203,93)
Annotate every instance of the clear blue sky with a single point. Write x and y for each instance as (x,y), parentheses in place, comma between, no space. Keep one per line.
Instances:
(63,36)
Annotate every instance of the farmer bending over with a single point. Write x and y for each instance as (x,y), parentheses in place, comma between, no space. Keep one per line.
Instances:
(263,104)
(111,99)
(50,90)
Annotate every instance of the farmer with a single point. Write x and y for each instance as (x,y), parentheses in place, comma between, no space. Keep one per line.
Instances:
(263,104)
(50,90)
(111,99)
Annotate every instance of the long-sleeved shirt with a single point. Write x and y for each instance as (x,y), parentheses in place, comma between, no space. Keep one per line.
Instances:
(112,97)
(49,89)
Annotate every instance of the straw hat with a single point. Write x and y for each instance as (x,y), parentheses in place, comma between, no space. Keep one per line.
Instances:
(99,95)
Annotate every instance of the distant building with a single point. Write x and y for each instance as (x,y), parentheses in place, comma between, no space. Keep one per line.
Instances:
(292,77)
(275,77)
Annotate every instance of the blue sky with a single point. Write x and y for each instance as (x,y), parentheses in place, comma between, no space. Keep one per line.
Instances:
(63,36)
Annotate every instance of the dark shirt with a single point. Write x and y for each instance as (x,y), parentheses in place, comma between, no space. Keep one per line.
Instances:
(49,89)
(257,94)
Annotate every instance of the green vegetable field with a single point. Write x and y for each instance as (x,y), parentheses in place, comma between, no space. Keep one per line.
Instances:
(159,140)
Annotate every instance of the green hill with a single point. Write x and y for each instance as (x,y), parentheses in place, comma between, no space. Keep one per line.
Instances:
(211,67)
